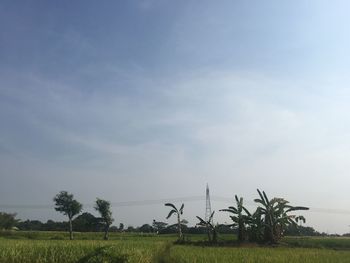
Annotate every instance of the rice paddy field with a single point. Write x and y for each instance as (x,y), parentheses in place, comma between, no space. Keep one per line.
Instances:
(44,247)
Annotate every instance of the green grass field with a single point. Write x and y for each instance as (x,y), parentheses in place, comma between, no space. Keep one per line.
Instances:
(43,247)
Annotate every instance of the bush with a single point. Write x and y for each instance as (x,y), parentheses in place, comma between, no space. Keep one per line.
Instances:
(105,255)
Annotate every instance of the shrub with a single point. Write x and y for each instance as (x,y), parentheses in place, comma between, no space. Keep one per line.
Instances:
(105,255)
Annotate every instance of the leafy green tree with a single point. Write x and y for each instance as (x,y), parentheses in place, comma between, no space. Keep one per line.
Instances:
(7,221)
(158,226)
(67,205)
(241,218)
(146,228)
(104,208)
(130,229)
(30,225)
(293,230)
(211,229)
(51,225)
(276,216)
(86,222)
(178,213)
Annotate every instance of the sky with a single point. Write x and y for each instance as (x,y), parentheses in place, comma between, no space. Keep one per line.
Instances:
(153,99)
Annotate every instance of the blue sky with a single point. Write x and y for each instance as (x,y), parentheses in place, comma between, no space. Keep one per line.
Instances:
(137,100)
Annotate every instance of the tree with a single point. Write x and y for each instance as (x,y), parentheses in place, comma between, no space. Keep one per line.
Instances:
(241,217)
(67,205)
(211,229)
(104,208)
(276,216)
(121,227)
(158,226)
(86,222)
(7,221)
(130,229)
(51,225)
(177,212)
(146,228)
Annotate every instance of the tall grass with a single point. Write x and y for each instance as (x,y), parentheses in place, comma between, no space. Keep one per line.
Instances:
(59,235)
(339,243)
(47,247)
(257,255)
(24,251)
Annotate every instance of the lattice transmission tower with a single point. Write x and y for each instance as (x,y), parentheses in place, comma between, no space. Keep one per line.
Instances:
(207,205)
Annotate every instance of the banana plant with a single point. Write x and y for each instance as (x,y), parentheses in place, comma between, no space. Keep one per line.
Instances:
(276,216)
(211,229)
(178,213)
(256,227)
(241,217)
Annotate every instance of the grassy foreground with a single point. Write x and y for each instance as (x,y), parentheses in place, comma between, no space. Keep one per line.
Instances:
(39,251)
(273,255)
(135,248)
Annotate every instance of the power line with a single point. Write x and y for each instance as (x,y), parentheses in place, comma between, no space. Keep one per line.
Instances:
(113,204)
(158,201)
(311,209)
(330,211)
(221,199)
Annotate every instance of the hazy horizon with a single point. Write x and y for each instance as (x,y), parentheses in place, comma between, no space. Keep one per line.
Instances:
(153,99)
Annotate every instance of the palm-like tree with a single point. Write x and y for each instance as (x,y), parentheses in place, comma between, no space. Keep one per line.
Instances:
(241,217)
(104,208)
(276,216)
(256,226)
(211,230)
(177,212)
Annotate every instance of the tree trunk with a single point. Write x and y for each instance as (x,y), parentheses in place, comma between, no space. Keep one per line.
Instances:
(241,232)
(208,231)
(70,229)
(179,226)
(106,232)
(215,237)
(267,230)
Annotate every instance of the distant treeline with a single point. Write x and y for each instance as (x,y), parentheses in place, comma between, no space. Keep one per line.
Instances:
(87,222)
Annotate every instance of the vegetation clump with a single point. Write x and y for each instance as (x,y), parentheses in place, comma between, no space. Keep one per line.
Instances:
(268,223)
(240,220)
(211,228)
(7,221)
(105,255)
